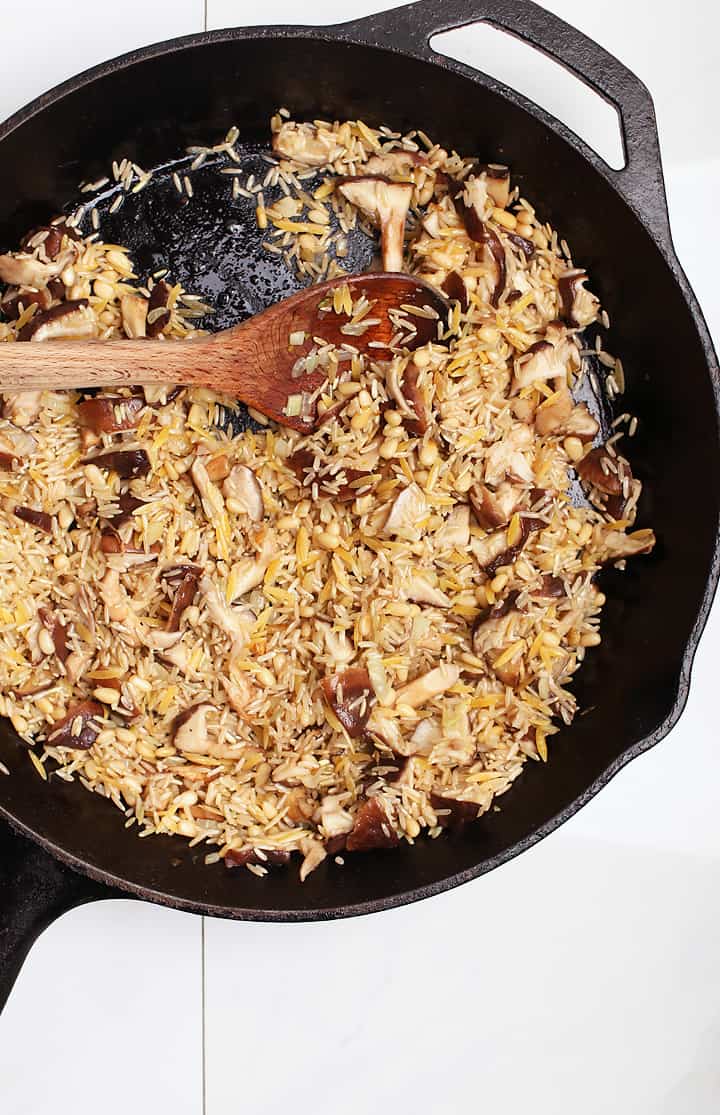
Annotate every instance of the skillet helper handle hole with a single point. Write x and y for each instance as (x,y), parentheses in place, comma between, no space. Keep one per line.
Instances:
(35,890)
(638,172)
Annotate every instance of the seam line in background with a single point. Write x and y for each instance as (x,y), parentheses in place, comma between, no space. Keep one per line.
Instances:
(203,1031)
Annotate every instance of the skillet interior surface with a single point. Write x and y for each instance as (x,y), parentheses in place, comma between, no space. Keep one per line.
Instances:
(629,687)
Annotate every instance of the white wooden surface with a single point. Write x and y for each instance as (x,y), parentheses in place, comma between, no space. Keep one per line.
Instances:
(583,976)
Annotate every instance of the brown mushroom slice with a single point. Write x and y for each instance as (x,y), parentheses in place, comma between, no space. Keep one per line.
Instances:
(184,579)
(454,286)
(79,729)
(495,550)
(58,632)
(134,310)
(428,686)
(553,414)
(550,588)
(158,315)
(414,398)
(599,469)
(579,307)
(454,534)
(526,246)
(302,463)
(127,463)
(334,820)
(497,182)
(127,504)
(452,813)
(581,424)
(494,508)
(371,829)
(499,610)
(39,519)
(51,244)
(350,696)
(249,572)
(190,731)
(125,707)
(112,543)
(17,299)
(258,857)
(386,203)
(550,358)
(108,414)
(243,486)
(407,514)
(307,144)
(68,320)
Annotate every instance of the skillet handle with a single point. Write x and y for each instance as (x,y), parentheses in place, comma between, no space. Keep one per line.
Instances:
(411,28)
(35,889)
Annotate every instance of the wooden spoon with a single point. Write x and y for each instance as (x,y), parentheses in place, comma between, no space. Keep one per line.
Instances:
(253,361)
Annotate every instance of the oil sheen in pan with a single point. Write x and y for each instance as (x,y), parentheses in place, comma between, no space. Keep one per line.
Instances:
(209,241)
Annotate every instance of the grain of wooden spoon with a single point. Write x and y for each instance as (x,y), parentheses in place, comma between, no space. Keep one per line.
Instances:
(253,361)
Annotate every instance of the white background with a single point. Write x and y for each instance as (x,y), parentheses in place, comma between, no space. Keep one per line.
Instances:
(583,977)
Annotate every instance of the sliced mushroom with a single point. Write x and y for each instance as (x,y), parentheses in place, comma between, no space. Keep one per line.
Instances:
(371,829)
(419,589)
(22,407)
(210,496)
(158,314)
(496,550)
(599,469)
(313,855)
(526,246)
(454,286)
(243,486)
(127,463)
(17,299)
(428,686)
(184,581)
(615,544)
(550,358)
(427,733)
(134,310)
(341,485)
(454,534)
(338,647)
(307,144)
(79,729)
(76,665)
(240,693)
(579,306)
(125,554)
(190,730)
(72,319)
(350,696)
(16,446)
(494,508)
(398,163)
(507,456)
(408,396)
(386,203)
(38,519)
(553,414)
(58,632)
(452,812)
(407,514)
(25,270)
(259,857)
(235,622)
(334,820)
(581,424)
(497,182)
(249,572)
(107,414)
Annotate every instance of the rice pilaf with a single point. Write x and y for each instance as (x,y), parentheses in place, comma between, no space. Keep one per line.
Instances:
(278,643)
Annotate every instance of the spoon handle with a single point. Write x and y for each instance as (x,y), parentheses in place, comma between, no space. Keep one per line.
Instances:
(59,365)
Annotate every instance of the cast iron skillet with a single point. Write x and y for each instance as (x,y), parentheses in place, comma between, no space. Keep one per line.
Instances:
(67,846)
